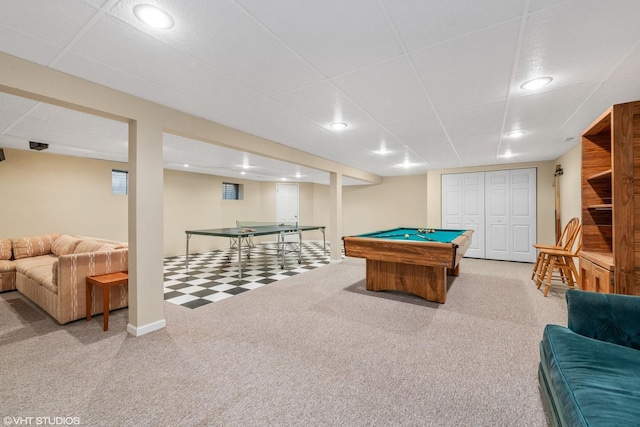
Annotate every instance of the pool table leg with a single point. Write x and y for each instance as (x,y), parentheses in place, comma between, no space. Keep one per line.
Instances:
(424,281)
(454,271)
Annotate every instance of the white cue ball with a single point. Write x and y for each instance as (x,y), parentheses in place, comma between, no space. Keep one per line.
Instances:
(406,236)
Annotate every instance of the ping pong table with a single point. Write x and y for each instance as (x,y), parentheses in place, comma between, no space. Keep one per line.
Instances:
(242,236)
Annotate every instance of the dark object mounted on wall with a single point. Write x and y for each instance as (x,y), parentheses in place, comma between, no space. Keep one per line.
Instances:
(38,146)
(2,155)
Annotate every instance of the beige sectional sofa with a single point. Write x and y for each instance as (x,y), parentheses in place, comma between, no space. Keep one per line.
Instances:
(51,269)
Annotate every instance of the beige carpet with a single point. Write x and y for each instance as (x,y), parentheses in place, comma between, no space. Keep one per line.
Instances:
(315,349)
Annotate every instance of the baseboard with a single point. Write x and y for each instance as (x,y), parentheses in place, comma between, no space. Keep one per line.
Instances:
(145,329)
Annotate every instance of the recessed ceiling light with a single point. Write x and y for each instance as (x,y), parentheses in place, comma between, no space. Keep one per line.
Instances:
(243,173)
(536,83)
(338,126)
(153,16)
(186,165)
(515,134)
(507,154)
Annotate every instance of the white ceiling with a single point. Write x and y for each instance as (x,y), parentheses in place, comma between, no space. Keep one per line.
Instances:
(435,82)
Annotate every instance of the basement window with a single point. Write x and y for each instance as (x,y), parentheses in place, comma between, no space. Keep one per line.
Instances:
(119,181)
(231,191)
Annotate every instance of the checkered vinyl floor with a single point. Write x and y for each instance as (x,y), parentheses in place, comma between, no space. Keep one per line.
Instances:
(211,277)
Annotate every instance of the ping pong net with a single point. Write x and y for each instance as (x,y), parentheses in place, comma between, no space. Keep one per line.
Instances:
(261,224)
(288,226)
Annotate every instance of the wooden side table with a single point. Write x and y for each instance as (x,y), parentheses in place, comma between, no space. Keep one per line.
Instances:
(106,281)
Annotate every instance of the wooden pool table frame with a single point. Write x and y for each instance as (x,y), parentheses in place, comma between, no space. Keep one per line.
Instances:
(417,267)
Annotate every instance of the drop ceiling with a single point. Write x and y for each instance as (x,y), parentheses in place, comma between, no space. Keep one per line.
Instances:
(432,84)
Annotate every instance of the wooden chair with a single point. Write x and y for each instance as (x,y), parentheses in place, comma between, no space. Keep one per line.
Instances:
(565,242)
(562,261)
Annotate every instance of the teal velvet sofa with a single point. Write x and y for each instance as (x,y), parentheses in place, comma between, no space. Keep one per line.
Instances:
(589,372)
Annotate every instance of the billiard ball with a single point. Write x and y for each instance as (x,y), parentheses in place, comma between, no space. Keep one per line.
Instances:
(406,236)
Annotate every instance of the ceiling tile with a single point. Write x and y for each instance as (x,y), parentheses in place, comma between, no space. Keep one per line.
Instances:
(26,47)
(485,142)
(546,108)
(117,46)
(418,130)
(543,4)
(15,105)
(479,158)
(470,70)
(334,36)
(222,35)
(424,23)
(281,118)
(388,91)
(477,120)
(615,91)
(6,121)
(576,42)
(630,64)
(329,105)
(56,21)
(373,138)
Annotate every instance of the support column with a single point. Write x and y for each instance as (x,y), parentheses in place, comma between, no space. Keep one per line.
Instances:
(146,248)
(335,219)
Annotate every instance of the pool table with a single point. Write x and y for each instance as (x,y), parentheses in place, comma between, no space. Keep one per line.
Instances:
(413,260)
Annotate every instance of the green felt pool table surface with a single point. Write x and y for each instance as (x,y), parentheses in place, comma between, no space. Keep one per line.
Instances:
(416,234)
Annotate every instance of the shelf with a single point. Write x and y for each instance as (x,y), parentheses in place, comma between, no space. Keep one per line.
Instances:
(602,207)
(603,174)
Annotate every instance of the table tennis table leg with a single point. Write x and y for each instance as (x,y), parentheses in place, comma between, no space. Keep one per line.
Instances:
(280,245)
(187,256)
(324,242)
(240,261)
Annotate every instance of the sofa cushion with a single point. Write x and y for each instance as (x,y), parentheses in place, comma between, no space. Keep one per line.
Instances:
(38,269)
(606,317)
(6,265)
(42,275)
(65,245)
(591,380)
(5,249)
(25,247)
(23,265)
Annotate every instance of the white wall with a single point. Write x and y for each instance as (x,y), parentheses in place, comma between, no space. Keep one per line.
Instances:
(397,201)
(570,184)
(47,193)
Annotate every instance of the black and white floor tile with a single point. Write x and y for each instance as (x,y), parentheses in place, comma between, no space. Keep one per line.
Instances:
(211,277)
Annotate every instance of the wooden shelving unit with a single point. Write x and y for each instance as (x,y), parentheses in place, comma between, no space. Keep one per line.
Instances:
(610,148)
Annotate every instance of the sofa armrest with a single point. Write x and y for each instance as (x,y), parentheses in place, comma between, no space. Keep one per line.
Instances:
(72,271)
(606,317)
